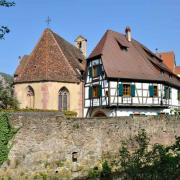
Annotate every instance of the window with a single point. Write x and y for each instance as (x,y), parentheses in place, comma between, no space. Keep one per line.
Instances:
(95,91)
(156,91)
(63,99)
(126,90)
(167,92)
(122,47)
(107,93)
(153,90)
(97,70)
(80,60)
(30,97)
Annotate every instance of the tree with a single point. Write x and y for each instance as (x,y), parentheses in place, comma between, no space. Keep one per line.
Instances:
(156,163)
(6,97)
(4,29)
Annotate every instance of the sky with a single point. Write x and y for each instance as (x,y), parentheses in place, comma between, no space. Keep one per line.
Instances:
(154,23)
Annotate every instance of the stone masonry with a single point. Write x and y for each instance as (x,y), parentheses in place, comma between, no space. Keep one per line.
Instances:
(49,142)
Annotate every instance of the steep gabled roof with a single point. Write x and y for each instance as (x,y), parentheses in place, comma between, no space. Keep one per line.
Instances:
(177,70)
(168,59)
(131,60)
(53,59)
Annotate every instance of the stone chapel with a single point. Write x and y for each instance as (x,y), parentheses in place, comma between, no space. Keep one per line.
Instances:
(51,77)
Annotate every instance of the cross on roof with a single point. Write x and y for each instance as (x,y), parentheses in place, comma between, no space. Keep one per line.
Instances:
(48,20)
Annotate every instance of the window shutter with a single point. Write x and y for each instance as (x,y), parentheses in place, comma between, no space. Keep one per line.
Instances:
(178,95)
(90,72)
(90,92)
(99,69)
(133,88)
(170,92)
(120,89)
(165,92)
(100,90)
(151,90)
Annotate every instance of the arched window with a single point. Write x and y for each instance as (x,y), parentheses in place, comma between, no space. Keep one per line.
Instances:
(30,97)
(63,99)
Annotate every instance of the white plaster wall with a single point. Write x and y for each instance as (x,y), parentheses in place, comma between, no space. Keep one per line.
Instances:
(175,97)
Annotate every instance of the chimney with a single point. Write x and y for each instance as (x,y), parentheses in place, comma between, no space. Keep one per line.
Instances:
(81,44)
(128,33)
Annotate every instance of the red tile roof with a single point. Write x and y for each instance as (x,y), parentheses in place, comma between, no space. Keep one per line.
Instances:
(131,60)
(168,59)
(177,70)
(53,59)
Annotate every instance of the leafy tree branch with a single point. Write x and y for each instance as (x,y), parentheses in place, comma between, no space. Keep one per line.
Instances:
(4,29)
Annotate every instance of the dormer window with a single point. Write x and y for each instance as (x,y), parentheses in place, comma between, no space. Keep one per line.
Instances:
(124,48)
(80,60)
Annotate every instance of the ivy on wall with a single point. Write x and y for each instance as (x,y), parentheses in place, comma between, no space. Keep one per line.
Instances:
(6,134)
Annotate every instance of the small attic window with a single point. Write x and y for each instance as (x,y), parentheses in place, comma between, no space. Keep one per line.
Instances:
(124,48)
(80,60)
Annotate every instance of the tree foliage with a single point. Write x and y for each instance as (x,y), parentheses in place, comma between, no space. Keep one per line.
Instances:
(6,133)
(4,29)
(158,163)
(7,101)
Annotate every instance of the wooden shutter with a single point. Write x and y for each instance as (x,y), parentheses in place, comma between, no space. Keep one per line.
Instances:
(100,90)
(90,72)
(165,92)
(133,88)
(178,95)
(120,89)
(170,92)
(99,70)
(151,90)
(90,92)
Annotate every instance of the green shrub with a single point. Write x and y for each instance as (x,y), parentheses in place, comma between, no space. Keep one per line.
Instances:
(94,173)
(70,114)
(44,176)
(104,172)
(159,163)
(106,169)
(6,133)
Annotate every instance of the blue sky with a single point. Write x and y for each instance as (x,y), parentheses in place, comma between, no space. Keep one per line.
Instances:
(154,23)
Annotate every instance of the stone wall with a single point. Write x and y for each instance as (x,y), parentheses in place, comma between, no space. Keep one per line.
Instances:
(46,142)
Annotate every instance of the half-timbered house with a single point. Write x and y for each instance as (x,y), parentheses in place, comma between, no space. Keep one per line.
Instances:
(123,77)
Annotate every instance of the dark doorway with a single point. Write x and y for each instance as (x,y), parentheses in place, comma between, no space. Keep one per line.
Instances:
(99,114)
